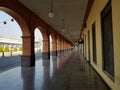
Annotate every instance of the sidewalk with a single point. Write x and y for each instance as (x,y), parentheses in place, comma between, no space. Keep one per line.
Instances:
(65,72)
(10,62)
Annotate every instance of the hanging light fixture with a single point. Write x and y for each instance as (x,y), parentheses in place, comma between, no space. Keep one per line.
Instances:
(63,28)
(51,13)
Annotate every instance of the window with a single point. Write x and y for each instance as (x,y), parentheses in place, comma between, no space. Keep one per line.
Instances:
(107,39)
(85,47)
(88,45)
(94,43)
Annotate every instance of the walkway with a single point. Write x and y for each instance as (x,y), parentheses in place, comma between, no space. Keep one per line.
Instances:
(68,72)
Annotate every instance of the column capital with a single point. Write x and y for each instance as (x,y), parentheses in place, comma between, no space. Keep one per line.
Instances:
(25,36)
(54,42)
(45,40)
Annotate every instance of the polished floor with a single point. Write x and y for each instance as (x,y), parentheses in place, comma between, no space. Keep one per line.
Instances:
(64,72)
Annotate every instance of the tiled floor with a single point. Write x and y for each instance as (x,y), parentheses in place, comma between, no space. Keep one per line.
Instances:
(65,72)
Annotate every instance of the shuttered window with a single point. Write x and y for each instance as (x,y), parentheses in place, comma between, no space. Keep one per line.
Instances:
(88,45)
(85,47)
(94,43)
(107,39)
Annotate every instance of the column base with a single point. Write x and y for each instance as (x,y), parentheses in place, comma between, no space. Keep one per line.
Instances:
(27,61)
(45,55)
(58,52)
(54,53)
(62,51)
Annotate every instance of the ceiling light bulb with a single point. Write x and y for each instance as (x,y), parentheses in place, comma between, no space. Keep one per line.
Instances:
(70,38)
(63,29)
(80,40)
(67,35)
(51,14)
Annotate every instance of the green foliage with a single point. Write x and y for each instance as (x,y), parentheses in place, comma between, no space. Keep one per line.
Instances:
(20,48)
(15,49)
(1,48)
(6,49)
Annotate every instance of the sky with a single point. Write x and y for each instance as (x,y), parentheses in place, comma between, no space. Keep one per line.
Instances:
(12,29)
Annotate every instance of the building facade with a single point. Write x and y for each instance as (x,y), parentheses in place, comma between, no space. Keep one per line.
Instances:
(101,40)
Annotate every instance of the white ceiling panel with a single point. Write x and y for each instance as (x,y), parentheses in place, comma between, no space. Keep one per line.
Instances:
(72,11)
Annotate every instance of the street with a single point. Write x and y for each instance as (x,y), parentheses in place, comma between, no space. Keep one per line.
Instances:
(7,63)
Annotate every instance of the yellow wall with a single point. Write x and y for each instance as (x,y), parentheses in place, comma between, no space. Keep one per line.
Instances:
(95,16)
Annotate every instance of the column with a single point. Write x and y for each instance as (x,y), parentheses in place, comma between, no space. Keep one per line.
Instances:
(54,48)
(45,53)
(58,47)
(61,45)
(28,57)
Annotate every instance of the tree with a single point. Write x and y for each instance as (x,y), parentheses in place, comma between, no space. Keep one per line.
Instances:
(6,49)
(20,48)
(15,49)
(1,48)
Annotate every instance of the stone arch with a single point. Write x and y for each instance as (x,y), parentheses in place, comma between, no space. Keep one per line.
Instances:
(54,44)
(26,37)
(45,53)
(58,44)
(43,32)
(53,37)
(51,44)
(19,19)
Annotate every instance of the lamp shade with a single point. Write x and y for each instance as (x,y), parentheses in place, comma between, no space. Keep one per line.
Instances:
(51,14)
(63,29)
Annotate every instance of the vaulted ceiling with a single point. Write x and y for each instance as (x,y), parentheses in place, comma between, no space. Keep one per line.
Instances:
(72,11)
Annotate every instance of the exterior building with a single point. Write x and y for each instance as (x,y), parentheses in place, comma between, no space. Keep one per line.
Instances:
(38,45)
(101,40)
(13,43)
(10,46)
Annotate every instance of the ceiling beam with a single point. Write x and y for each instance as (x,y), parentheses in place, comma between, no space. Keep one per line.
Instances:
(87,12)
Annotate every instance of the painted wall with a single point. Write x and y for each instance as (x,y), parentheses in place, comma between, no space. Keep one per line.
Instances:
(95,16)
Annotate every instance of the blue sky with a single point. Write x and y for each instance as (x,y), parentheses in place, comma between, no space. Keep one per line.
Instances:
(12,29)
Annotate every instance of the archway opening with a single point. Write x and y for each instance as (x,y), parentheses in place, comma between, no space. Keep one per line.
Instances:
(10,36)
(58,45)
(38,43)
(26,36)
(50,43)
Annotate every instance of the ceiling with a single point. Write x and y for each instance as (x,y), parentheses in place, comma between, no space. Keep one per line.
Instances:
(72,11)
